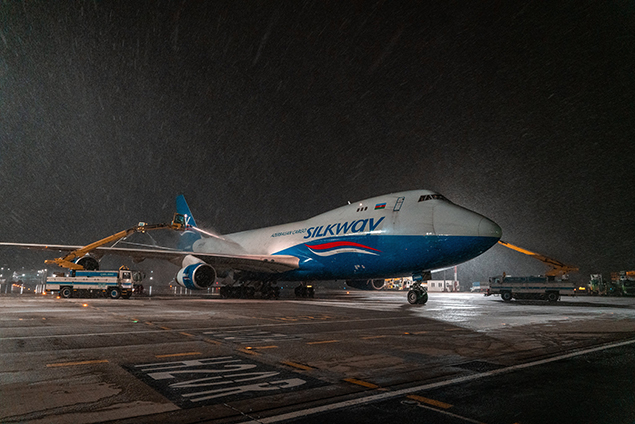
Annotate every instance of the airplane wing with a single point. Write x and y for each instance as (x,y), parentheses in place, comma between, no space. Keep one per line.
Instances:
(272,264)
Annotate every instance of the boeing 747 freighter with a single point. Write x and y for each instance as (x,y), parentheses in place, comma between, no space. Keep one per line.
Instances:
(401,234)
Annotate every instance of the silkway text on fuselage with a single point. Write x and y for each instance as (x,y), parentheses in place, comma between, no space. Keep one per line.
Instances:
(357,226)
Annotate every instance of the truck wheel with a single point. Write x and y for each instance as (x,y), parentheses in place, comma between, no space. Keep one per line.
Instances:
(66,293)
(413,297)
(127,295)
(114,292)
(506,296)
(423,299)
(552,297)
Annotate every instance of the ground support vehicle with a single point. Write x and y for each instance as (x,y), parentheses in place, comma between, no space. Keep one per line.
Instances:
(538,287)
(418,294)
(113,284)
(479,287)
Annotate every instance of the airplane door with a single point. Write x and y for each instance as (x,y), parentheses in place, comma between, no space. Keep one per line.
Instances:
(398,204)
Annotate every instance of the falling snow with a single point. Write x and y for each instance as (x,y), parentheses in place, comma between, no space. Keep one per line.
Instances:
(269,112)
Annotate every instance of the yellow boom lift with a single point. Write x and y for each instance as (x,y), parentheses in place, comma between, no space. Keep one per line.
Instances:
(178,223)
(558,269)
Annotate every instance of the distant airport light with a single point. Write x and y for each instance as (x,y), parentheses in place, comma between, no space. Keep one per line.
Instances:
(85,304)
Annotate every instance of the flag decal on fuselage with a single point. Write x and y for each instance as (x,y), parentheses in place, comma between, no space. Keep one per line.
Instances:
(380,206)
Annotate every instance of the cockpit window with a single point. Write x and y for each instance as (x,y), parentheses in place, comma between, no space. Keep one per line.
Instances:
(425,197)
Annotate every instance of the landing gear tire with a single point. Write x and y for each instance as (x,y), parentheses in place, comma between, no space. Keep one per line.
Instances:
(552,297)
(413,297)
(506,296)
(66,293)
(114,292)
(423,299)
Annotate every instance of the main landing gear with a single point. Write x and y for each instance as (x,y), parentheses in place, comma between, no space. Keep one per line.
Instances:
(304,290)
(245,291)
(418,294)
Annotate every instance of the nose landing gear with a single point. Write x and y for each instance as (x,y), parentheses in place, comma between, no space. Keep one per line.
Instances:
(418,294)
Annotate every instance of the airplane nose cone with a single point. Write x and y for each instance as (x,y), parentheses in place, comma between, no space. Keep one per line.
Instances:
(450,219)
(488,228)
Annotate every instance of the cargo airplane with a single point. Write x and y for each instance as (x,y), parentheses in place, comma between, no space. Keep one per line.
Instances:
(401,234)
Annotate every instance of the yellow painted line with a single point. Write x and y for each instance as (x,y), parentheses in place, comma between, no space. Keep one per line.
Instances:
(216,342)
(322,342)
(165,328)
(295,365)
(265,347)
(178,354)
(149,323)
(430,401)
(69,364)
(372,337)
(187,334)
(249,351)
(420,332)
(361,383)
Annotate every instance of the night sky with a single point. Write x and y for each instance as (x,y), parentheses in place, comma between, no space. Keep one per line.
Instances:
(265,112)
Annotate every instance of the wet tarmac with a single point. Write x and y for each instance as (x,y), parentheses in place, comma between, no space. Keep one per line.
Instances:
(341,357)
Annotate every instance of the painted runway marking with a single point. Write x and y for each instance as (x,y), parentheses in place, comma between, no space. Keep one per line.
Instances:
(408,391)
(322,342)
(251,336)
(215,329)
(440,411)
(306,318)
(296,365)
(70,364)
(208,381)
(178,354)
(430,401)
(361,383)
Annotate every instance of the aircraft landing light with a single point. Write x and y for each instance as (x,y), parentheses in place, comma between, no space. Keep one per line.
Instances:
(178,354)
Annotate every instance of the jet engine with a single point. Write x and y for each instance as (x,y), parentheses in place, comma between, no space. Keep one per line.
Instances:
(366,284)
(88,263)
(199,276)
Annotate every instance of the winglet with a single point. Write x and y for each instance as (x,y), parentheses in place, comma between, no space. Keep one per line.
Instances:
(184,209)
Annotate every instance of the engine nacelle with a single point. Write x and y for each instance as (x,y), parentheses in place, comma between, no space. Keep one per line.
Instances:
(367,284)
(88,263)
(198,276)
